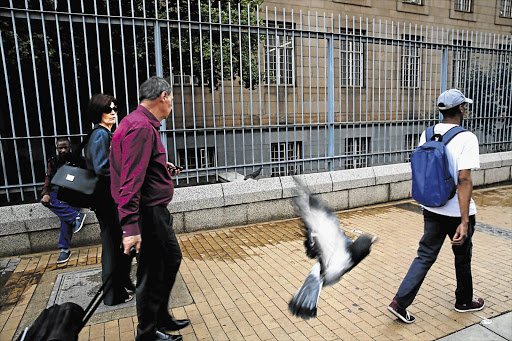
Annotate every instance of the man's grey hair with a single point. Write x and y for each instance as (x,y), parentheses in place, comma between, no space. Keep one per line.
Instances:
(153,87)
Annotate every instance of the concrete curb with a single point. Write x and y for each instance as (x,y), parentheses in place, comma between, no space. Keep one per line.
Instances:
(32,228)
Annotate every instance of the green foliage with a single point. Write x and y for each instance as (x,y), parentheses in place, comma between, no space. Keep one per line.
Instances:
(229,52)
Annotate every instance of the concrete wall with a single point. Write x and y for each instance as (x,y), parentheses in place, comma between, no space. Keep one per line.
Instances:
(33,228)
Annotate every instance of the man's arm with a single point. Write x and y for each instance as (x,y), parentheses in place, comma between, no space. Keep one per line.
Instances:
(464,191)
(137,149)
(45,194)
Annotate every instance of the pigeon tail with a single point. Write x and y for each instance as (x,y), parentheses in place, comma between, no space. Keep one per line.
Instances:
(304,303)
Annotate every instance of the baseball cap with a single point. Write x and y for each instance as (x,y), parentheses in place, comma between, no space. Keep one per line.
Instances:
(451,98)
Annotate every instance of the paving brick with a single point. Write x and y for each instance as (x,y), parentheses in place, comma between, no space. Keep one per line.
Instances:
(242,278)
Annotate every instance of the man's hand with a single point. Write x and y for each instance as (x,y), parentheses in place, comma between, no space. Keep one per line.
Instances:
(460,234)
(173,169)
(130,241)
(46,201)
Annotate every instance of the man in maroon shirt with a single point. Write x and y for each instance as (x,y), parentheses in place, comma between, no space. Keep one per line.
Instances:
(142,187)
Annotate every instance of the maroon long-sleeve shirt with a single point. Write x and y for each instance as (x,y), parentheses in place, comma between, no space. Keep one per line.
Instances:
(138,168)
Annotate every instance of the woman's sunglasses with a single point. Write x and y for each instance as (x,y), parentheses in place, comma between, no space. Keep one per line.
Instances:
(109,109)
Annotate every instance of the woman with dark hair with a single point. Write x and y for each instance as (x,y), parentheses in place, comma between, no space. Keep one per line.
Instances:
(102,112)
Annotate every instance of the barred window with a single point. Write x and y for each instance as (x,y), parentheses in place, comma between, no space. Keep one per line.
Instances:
(184,80)
(414,2)
(188,160)
(411,61)
(463,5)
(357,151)
(351,56)
(286,152)
(506,9)
(461,58)
(279,59)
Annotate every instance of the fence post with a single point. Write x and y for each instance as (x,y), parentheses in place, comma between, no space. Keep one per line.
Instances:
(330,102)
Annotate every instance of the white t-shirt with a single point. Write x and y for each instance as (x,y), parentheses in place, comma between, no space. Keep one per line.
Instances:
(462,153)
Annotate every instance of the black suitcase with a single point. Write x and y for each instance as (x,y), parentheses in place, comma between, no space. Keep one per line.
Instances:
(63,322)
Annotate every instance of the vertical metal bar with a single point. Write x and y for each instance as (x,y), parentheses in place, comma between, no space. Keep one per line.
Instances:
(295,142)
(171,80)
(330,100)
(135,54)
(242,86)
(114,88)
(260,105)
(192,90)
(124,62)
(317,95)
(50,85)
(146,36)
(71,33)
(285,78)
(310,97)
(36,84)
(232,90)
(325,122)
(86,48)
(210,21)
(183,119)
(12,126)
(249,37)
(100,69)
(278,76)
(63,83)
(22,89)
(379,98)
(223,106)
(202,88)
(302,88)
(373,92)
(267,52)
(372,130)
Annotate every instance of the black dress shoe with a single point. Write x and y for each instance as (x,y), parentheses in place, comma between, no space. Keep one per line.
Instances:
(172,324)
(164,336)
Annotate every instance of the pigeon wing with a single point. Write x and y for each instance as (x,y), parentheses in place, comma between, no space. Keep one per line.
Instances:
(324,238)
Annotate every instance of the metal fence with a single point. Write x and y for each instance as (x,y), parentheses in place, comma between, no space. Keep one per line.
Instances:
(292,92)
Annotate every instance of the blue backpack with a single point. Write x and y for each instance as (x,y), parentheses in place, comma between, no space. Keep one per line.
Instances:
(432,183)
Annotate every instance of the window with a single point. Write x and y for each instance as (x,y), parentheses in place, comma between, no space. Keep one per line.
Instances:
(411,61)
(184,80)
(411,143)
(351,60)
(463,5)
(460,64)
(506,9)
(414,2)
(206,158)
(286,153)
(357,152)
(279,56)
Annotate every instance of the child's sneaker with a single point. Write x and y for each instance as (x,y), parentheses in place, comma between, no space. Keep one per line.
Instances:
(400,312)
(64,256)
(79,222)
(475,305)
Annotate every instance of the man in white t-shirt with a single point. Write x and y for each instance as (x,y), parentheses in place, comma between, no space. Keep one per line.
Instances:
(455,219)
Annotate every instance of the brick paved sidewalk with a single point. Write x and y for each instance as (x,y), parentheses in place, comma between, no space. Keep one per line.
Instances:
(241,279)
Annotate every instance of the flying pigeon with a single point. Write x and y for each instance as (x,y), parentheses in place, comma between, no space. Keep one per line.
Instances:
(336,253)
(253,175)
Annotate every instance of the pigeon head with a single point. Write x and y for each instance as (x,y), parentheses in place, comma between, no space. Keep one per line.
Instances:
(360,248)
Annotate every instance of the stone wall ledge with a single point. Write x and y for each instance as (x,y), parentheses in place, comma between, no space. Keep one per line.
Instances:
(33,228)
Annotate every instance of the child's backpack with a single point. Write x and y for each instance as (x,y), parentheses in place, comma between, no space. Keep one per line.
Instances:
(432,183)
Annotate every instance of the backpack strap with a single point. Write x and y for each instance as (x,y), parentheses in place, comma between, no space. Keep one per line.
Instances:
(450,134)
(429,133)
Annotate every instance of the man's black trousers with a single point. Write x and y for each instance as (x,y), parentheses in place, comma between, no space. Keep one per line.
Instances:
(158,264)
